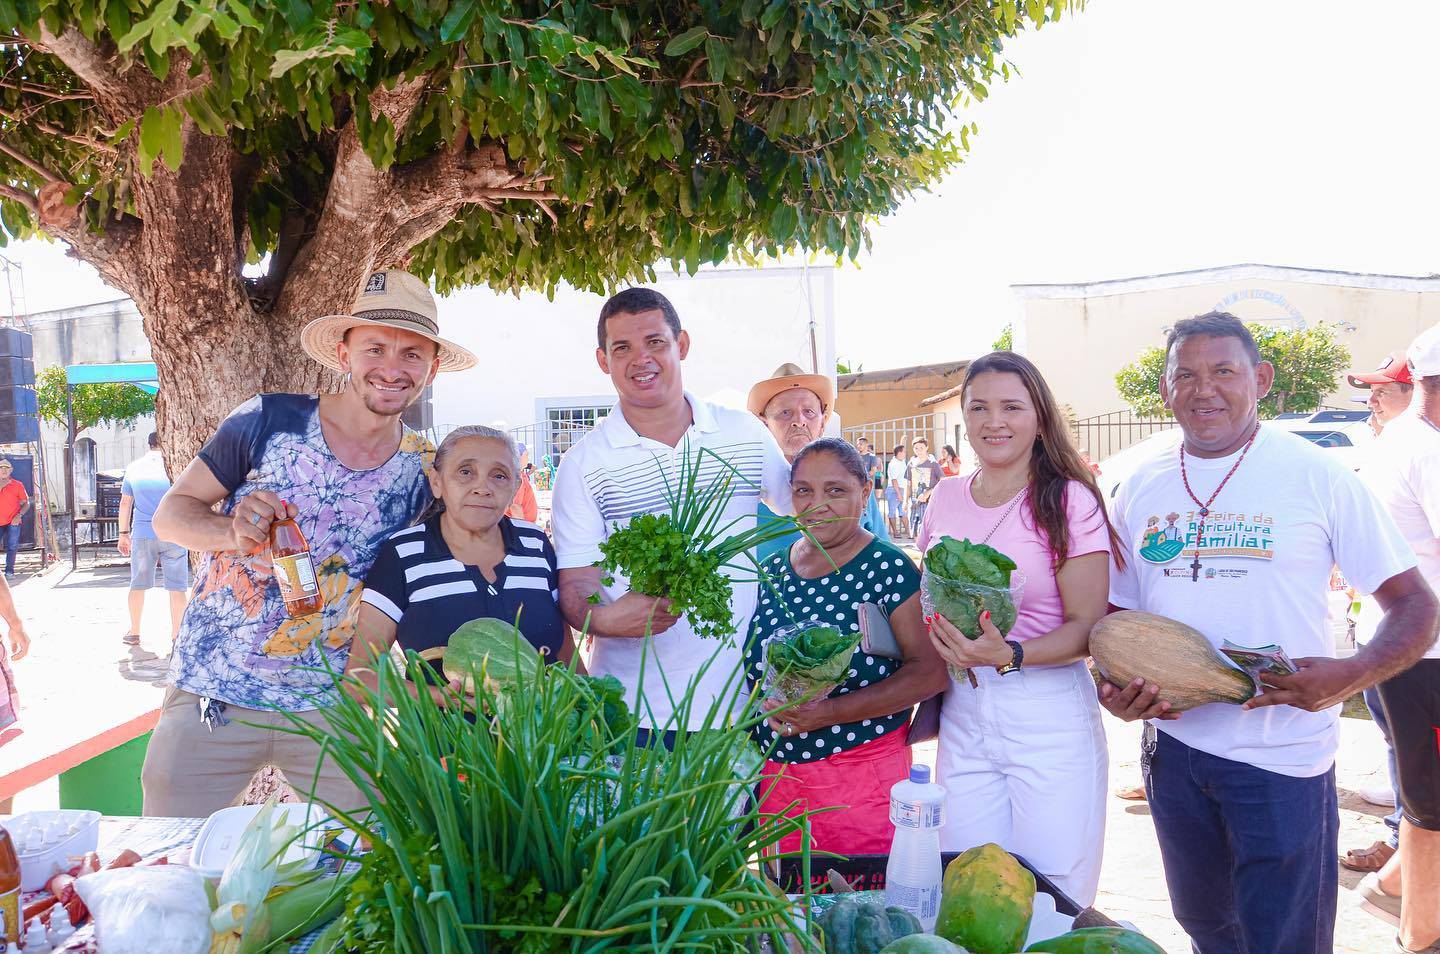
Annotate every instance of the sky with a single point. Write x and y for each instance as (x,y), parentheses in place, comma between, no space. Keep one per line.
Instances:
(1141,136)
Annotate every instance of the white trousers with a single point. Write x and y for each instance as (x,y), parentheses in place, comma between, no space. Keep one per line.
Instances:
(1024,765)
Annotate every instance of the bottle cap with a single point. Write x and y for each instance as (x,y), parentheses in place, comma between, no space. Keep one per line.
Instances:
(920,774)
(35,935)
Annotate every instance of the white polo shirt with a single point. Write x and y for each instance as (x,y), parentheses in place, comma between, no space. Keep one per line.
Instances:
(611,475)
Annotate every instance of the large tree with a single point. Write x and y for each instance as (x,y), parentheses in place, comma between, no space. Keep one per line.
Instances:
(238,166)
(1308,362)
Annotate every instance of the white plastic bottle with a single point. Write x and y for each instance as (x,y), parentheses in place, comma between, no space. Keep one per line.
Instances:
(912,877)
(35,940)
(60,927)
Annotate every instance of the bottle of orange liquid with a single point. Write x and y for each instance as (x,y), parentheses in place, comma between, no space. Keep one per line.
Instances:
(294,570)
(9,888)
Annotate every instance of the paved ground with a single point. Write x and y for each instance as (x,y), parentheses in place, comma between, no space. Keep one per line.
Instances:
(78,665)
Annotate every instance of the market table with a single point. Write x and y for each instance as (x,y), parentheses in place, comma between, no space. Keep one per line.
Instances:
(150,838)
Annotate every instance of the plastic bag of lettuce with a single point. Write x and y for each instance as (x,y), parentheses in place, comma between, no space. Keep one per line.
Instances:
(964,579)
(806,661)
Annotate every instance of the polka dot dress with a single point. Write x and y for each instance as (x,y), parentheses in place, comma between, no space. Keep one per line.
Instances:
(881,574)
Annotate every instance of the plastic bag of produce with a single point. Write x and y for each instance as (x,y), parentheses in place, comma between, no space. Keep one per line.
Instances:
(961,580)
(805,662)
(161,909)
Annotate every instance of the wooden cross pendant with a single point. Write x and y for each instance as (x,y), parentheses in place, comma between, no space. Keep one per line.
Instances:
(1199,532)
(1195,568)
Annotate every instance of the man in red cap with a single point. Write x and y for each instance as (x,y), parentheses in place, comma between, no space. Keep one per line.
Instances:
(1390,387)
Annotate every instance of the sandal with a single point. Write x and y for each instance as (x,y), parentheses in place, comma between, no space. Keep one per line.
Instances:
(1135,793)
(131,639)
(1368,859)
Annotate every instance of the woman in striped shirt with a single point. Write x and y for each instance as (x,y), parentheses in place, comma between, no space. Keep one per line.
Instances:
(463,560)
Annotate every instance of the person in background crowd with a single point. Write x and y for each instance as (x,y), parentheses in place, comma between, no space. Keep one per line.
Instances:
(1022,753)
(1243,798)
(1404,473)
(465,559)
(868,458)
(923,474)
(875,467)
(1391,389)
(523,506)
(14,502)
(896,482)
(620,469)
(949,461)
(845,751)
(350,473)
(142,489)
(795,406)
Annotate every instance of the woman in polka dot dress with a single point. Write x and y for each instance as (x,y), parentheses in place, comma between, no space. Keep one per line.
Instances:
(844,751)
(1022,754)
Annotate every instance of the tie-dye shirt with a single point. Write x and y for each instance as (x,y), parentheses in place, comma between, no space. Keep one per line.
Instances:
(236,644)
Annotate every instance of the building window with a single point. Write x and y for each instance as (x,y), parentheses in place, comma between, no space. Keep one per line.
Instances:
(566,425)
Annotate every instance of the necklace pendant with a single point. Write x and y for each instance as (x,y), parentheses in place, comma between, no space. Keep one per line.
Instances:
(1204,511)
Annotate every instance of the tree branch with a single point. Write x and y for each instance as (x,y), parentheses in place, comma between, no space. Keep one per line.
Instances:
(45,91)
(35,167)
(21,196)
(59,133)
(122,94)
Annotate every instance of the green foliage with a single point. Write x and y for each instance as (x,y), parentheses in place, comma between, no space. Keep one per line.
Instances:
(113,405)
(964,579)
(671,131)
(1308,362)
(1006,341)
(842,366)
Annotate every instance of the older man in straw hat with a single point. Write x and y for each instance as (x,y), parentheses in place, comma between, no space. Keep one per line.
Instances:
(796,406)
(350,473)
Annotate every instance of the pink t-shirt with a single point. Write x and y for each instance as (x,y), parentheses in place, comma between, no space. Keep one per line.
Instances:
(953,512)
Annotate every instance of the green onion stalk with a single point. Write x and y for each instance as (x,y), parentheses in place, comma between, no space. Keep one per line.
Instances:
(541,825)
(681,554)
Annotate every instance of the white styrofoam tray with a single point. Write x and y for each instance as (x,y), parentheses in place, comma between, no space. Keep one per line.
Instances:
(38,866)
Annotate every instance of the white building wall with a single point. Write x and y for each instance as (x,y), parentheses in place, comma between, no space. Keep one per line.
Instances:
(536,354)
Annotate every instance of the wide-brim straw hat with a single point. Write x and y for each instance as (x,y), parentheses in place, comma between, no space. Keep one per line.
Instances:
(390,299)
(789,376)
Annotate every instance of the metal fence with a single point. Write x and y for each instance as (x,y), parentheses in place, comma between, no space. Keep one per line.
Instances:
(1106,434)
(884,436)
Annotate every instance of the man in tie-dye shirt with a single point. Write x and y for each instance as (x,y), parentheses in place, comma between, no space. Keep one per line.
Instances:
(350,473)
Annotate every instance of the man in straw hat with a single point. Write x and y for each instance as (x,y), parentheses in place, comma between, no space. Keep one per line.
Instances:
(795,406)
(350,473)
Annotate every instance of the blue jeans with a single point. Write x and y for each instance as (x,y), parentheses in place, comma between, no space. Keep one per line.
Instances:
(1377,712)
(1250,855)
(12,543)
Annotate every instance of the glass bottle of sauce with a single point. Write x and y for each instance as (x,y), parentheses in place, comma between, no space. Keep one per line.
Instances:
(9,887)
(294,569)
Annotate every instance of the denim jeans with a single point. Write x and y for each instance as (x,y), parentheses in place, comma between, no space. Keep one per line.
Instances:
(1377,712)
(12,543)
(1250,855)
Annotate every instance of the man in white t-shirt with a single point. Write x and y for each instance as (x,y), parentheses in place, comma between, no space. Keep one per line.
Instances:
(897,483)
(623,468)
(1404,473)
(1243,798)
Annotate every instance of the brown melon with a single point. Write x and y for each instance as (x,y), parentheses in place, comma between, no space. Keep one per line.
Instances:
(1180,660)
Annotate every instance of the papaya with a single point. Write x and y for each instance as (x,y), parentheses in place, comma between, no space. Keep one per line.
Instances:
(861,925)
(922,944)
(986,899)
(1180,660)
(1097,940)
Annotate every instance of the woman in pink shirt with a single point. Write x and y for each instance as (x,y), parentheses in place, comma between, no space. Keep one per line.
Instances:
(1022,754)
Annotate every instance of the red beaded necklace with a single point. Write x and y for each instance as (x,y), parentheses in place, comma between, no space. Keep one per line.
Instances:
(1205,507)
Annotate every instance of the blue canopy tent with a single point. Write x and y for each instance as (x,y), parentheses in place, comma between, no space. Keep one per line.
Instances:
(143,375)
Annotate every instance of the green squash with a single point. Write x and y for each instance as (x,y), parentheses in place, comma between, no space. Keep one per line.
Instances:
(860,925)
(923,944)
(1098,940)
(494,649)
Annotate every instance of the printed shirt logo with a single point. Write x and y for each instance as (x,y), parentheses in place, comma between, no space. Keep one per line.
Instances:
(375,285)
(1247,536)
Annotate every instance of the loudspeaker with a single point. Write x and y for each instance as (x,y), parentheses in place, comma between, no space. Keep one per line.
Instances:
(18,401)
(16,372)
(19,428)
(16,343)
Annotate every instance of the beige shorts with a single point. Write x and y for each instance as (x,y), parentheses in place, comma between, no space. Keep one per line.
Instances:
(191,771)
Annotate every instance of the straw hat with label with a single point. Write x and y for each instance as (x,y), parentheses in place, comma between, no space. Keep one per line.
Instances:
(786,377)
(390,299)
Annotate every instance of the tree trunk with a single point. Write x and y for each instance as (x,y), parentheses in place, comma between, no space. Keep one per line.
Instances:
(209,366)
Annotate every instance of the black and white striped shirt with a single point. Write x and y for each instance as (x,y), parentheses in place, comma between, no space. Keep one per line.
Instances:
(419,584)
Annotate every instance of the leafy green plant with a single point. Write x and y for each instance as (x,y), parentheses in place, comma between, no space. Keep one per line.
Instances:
(807,661)
(546,827)
(1308,363)
(113,405)
(681,554)
(965,579)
